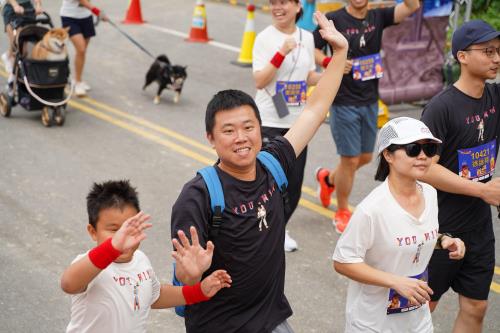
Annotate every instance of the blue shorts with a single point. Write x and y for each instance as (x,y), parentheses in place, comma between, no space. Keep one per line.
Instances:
(84,26)
(354,128)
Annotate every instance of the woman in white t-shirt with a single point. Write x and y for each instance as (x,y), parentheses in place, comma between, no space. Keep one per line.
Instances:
(392,234)
(77,15)
(283,64)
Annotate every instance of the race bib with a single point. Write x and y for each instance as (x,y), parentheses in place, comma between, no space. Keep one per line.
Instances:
(477,163)
(294,92)
(367,68)
(399,304)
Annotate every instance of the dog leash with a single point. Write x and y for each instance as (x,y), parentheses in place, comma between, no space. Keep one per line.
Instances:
(131,39)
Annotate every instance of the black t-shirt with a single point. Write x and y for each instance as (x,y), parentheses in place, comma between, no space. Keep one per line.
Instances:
(357,92)
(249,247)
(471,125)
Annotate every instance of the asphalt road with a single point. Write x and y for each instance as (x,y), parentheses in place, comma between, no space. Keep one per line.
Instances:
(119,133)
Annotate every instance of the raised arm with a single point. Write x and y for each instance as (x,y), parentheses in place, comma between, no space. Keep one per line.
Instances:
(322,97)
(443,179)
(405,9)
(79,274)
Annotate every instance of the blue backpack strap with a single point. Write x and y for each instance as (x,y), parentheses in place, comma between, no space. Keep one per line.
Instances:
(179,310)
(216,193)
(274,167)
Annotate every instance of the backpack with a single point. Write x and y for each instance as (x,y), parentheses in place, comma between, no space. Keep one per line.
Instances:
(217,204)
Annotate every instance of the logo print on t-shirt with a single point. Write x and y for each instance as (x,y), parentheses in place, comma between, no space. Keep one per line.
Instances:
(416,258)
(136,297)
(480,128)
(261,215)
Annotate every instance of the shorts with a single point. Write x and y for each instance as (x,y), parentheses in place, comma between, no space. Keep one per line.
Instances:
(470,277)
(354,128)
(9,15)
(84,26)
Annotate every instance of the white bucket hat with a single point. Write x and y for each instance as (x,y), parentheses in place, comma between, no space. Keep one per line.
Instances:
(403,130)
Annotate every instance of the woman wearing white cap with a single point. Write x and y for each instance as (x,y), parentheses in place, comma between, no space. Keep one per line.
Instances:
(392,234)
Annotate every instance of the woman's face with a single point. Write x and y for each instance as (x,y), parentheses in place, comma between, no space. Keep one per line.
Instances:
(283,12)
(400,163)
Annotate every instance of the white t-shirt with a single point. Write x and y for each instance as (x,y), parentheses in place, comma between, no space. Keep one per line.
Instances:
(72,8)
(267,43)
(386,237)
(118,299)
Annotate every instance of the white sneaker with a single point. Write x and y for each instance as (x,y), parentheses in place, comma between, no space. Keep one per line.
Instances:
(8,63)
(85,85)
(80,90)
(290,243)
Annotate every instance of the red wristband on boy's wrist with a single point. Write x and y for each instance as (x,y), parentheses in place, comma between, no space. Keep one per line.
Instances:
(103,255)
(326,61)
(96,11)
(193,294)
(277,59)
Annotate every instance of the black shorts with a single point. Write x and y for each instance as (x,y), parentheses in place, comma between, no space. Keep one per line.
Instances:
(470,277)
(9,15)
(84,26)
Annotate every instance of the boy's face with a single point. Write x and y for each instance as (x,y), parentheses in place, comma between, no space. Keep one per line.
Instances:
(237,139)
(108,222)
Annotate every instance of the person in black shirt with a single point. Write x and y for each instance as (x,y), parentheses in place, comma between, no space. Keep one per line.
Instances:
(246,247)
(465,116)
(353,115)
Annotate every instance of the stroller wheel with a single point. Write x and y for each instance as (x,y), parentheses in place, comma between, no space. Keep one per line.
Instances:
(5,105)
(59,115)
(46,116)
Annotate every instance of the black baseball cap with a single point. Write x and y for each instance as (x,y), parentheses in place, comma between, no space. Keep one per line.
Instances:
(472,32)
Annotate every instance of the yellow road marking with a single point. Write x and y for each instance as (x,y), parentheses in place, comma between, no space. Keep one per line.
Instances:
(497,270)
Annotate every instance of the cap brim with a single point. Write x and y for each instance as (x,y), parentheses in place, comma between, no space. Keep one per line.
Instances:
(404,141)
(489,36)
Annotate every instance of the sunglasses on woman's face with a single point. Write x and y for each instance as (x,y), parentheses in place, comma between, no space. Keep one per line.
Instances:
(413,149)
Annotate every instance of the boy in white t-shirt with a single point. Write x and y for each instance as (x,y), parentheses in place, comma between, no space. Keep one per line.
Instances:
(113,286)
(391,236)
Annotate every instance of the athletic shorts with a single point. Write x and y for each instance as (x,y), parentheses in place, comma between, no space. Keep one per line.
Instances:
(84,26)
(470,277)
(9,15)
(354,128)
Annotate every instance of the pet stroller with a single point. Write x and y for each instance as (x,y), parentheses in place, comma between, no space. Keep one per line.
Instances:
(38,84)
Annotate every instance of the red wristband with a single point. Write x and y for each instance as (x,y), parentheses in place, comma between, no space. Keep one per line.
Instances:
(277,60)
(103,255)
(326,61)
(96,11)
(193,294)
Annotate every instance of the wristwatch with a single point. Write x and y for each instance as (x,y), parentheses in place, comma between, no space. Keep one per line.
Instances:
(439,240)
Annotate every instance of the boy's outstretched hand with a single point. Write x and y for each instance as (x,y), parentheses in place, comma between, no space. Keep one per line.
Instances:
(215,282)
(131,233)
(329,33)
(192,258)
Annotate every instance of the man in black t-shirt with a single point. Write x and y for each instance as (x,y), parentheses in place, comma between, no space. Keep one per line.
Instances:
(250,250)
(466,117)
(353,115)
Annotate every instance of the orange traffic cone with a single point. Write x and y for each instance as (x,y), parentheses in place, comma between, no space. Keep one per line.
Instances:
(134,15)
(245,58)
(198,31)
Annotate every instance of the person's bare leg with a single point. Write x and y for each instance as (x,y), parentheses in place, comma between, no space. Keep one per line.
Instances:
(346,171)
(80,45)
(470,315)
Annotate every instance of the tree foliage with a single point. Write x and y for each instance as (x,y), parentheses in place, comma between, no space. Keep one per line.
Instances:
(487,10)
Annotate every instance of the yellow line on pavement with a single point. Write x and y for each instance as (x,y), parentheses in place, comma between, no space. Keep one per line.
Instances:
(148,124)
(495,287)
(497,270)
(141,132)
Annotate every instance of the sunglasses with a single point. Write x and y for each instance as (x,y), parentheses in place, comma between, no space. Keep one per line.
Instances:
(413,149)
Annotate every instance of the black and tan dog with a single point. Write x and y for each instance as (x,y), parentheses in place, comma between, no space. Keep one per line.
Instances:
(167,76)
